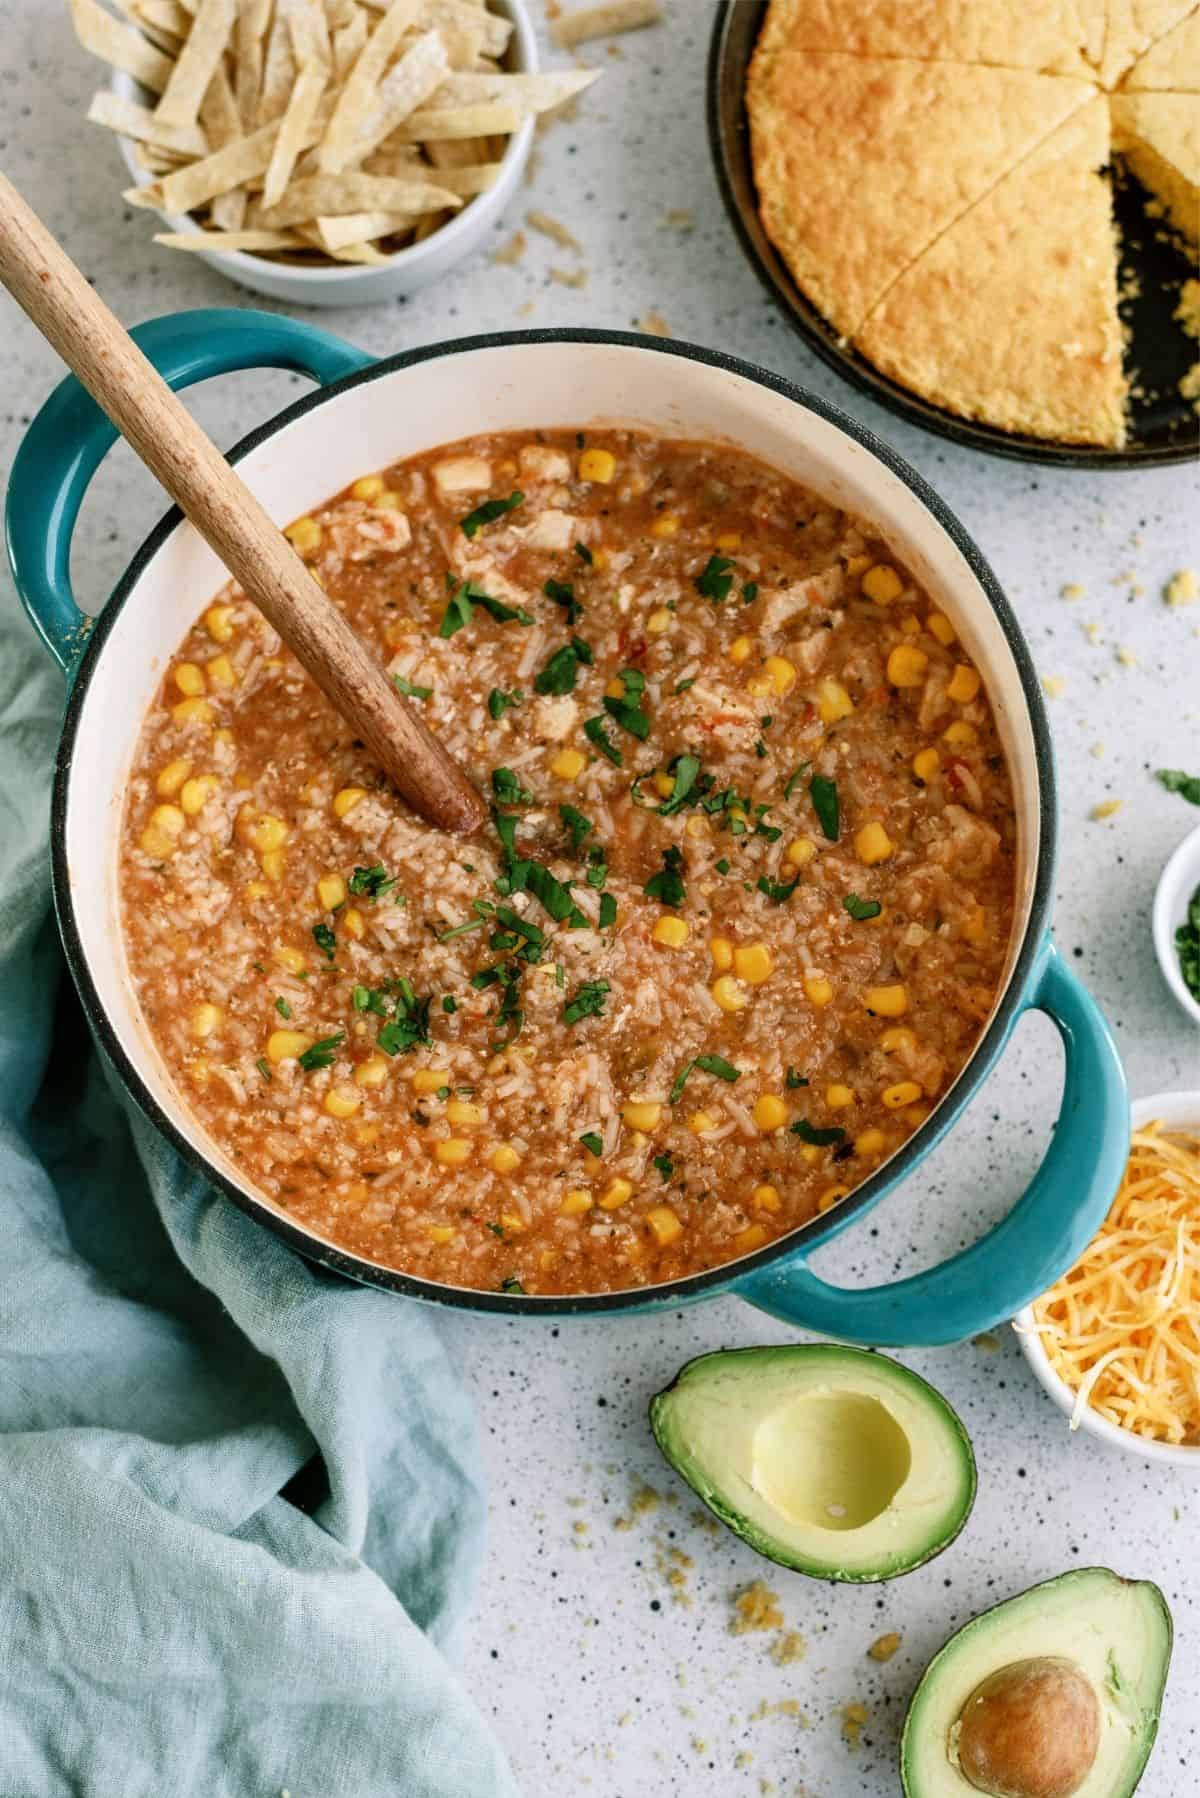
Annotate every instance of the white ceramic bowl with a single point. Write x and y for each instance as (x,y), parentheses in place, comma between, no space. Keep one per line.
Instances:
(1177,1111)
(347,284)
(1177,882)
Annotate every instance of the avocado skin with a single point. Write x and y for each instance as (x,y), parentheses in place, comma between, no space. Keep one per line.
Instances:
(845,1358)
(1078,1578)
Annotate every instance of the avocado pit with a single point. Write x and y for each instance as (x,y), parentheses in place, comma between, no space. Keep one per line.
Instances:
(1030,1730)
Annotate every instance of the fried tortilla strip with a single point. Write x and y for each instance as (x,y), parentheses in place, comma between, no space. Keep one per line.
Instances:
(140,123)
(476,178)
(309,31)
(362,227)
(536,93)
(335,195)
(603,21)
(231,167)
(405,87)
(229,240)
(348,41)
(439,123)
(358,94)
(252,21)
(120,46)
(279,72)
(352,252)
(197,64)
(295,130)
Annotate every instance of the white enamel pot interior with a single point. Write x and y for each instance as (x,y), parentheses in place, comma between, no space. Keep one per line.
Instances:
(409,404)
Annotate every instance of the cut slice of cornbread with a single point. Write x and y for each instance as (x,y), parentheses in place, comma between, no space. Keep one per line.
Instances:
(1172,65)
(1131,27)
(1159,137)
(1045,36)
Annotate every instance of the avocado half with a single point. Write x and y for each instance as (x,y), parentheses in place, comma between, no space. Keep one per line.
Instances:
(833,1461)
(1115,1633)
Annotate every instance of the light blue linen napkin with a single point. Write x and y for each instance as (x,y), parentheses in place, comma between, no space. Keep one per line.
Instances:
(169,1624)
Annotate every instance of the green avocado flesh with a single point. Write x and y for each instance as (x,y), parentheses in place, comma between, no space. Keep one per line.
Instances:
(1115,1632)
(830,1460)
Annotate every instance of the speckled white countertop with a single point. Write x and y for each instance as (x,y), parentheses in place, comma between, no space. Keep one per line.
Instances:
(602,1674)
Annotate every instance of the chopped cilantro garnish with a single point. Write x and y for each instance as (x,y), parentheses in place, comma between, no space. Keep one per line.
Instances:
(797,774)
(861,909)
(322,1054)
(462,602)
(749,593)
(370,883)
(264,1068)
(597,868)
(282,1007)
(685,768)
(508,789)
(667,885)
(608,911)
(579,826)
(596,731)
(587,1003)
(558,676)
(488,512)
(563,594)
(531,933)
(665,1166)
(449,1003)
(792,1079)
(593,1142)
(824,795)
(458,612)
(819,1138)
(511,1284)
(409,1025)
(778,892)
(1186,785)
(409,690)
(722,866)
(708,1064)
(498,701)
(497,1230)
(683,686)
(627,710)
(760,750)
(553,895)
(325,940)
(496,608)
(584,554)
(365,998)
(716,579)
(1187,946)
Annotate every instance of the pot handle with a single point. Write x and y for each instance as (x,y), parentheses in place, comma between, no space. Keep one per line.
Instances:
(1043,1235)
(70,437)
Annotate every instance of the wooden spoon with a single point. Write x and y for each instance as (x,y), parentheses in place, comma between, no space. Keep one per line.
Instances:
(45,282)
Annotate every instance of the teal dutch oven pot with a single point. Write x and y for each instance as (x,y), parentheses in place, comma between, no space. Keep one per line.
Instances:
(364,414)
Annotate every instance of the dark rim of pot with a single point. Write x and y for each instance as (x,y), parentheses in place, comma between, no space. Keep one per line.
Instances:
(806,1236)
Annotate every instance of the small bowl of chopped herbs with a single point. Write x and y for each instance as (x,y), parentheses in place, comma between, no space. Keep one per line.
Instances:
(1176,922)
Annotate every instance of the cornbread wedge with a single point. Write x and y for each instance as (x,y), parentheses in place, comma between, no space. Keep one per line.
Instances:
(1172,65)
(1131,27)
(861,163)
(1011,315)
(1044,37)
(1159,137)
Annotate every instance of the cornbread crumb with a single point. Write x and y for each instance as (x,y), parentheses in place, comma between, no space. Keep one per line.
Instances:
(987,1341)
(680,219)
(553,228)
(1189,386)
(743,1759)
(1093,631)
(1053,685)
(513,250)
(1183,588)
(1097,750)
(1188,310)
(1107,808)
(884,1647)
(788,1647)
(700,1745)
(854,1715)
(756,1607)
(1073,590)
(569,277)
(1126,656)
(653,324)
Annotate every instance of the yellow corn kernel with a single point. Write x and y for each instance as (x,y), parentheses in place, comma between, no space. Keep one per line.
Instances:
(829,1198)
(818,988)
(221,672)
(429,1080)
(701,1122)
(597,465)
(925,765)
(331,891)
(729,540)
(504,1158)
(224,736)
(192,711)
(453,1152)
(664,1225)
(911,626)
(599,558)
(262,830)
(781,673)
(899,1040)
(342,1102)
(345,801)
(568,764)
(800,851)
(872,844)
(353,923)
(195,794)
(965,683)
(728,994)
(664,786)
(671,933)
(218,622)
(906,665)
(810,1154)
(721,950)
(975,925)
(753,963)
(576,1202)
(255,890)
(697,827)
(463,1111)
(304,536)
(436,1232)
(882,584)
(166,821)
(366,1134)
(291,959)
(287,1045)
(272,863)
(513,1222)
(367,487)
(615,688)
(870,1142)
(205,1019)
(388,501)
(658,622)
(642,1115)
(373,1071)
(770,1112)
(939,626)
(837,1096)
(767,1198)
(189,678)
(665,525)
(752,1237)
(833,701)
(886,1001)
(741,649)
(616,1193)
(960,734)
(905,1092)
(171,778)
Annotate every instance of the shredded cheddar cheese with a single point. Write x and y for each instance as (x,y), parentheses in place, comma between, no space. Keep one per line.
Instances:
(1122,1328)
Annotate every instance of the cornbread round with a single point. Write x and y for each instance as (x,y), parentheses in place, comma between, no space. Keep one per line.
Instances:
(739,918)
